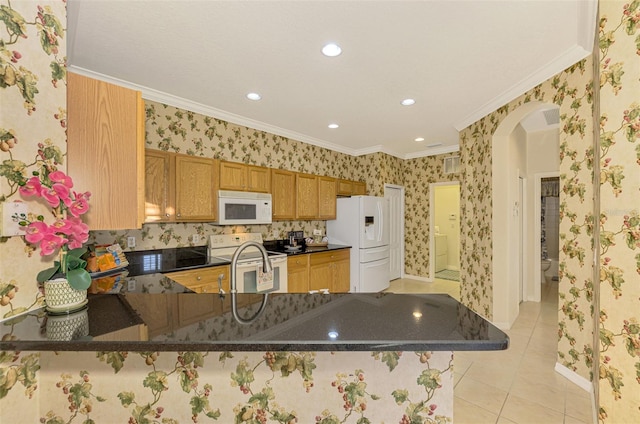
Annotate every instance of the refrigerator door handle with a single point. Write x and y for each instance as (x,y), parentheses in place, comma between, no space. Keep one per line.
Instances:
(380,220)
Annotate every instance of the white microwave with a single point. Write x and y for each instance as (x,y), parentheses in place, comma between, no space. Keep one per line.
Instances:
(243,208)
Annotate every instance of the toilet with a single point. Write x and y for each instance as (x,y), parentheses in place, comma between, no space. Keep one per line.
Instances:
(545,276)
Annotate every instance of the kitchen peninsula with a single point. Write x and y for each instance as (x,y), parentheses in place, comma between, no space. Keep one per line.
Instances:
(326,339)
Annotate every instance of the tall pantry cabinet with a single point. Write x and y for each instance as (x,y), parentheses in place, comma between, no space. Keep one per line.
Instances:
(105,151)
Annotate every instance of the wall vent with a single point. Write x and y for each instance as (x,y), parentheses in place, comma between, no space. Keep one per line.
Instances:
(552,116)
(452,165)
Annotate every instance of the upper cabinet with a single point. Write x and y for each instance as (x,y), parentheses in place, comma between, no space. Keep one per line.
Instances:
(351,188)
(283,194)
(160,188)
(180,187)
(307,193)
(105,151)
(195,189)
(243,177)
(316,197)
(326,198)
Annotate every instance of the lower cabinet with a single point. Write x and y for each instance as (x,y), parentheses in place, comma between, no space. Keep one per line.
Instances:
(203,280)
(157,312)
(298,273)
(319,271)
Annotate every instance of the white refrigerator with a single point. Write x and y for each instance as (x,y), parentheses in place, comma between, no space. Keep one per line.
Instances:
(361,222)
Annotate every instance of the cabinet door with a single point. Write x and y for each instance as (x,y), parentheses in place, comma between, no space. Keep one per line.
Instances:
(307,193)
(327,198)
(341,283)
(298,274)
(153,309)
(258,179)
(359,188)
(345,188)
(203,280)
(321,271)
(283,194)
(233,176)
(159,193)
(105,151)
(195,194)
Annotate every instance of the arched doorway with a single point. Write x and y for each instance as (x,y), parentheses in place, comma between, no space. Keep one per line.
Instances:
(515,161)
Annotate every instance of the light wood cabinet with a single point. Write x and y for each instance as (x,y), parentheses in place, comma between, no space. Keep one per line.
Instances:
(298,274)
(105,151)
(307,196)
(158,312)
(243,177)
(327,198)
(203,280)
(351,188)
(160,188)
(319,271)
(359,188)
(195,189)
(283,194)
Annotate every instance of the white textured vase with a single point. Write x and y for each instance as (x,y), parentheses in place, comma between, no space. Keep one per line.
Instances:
(59,295)
(68,326)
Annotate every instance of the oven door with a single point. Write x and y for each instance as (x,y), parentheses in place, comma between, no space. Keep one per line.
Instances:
(247,275)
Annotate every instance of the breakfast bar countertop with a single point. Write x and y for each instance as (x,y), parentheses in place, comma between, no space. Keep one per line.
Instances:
(290,322)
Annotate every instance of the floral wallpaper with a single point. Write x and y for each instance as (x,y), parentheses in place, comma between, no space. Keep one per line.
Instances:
(32,133)
(571,90)
(619,218)
(418,176)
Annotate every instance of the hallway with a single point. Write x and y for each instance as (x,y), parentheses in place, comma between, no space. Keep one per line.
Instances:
(519,385)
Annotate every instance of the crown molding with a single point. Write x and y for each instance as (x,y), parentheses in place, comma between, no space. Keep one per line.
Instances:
(179,102)
(571,57)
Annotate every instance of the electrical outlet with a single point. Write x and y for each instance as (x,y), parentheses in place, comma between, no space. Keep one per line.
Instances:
(131,242)
(195,238)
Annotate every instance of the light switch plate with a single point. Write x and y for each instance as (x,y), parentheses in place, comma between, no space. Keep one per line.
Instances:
(10,226)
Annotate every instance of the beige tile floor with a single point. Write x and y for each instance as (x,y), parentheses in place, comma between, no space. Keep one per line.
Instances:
(519,385)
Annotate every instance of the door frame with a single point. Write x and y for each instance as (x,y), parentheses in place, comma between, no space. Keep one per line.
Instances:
(432,223)
(400,224)
(537,231)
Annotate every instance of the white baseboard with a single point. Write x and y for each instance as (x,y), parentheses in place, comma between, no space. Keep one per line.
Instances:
(581,382)
(574,377)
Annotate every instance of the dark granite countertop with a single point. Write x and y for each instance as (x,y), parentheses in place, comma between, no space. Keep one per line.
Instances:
(290,322)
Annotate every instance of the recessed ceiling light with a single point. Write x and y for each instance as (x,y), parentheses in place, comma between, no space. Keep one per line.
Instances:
(419,139)
(331,50)
(407,102)
(333,126)
(254,96)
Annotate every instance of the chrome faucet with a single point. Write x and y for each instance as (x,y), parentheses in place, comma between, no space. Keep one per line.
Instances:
(266,267)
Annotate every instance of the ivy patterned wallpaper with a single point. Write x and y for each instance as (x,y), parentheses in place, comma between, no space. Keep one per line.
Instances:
(619,242)
(32,132)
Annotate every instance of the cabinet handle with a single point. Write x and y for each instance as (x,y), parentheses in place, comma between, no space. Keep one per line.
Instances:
(220,278)
(179,215)
(204,290)
(167,215)
(198,278)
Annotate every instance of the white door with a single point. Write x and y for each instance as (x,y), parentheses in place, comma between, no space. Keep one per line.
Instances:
(395,197)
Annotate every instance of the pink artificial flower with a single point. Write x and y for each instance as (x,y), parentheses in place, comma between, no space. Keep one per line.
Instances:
(63,226)
(80,205)
(36,231)
(50,243)
(50,195)
(62,178)
(32,187)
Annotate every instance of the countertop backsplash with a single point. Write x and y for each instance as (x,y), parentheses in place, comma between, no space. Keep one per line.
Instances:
(168,235)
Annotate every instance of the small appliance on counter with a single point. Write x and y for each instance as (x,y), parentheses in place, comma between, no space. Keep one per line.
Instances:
(296,241)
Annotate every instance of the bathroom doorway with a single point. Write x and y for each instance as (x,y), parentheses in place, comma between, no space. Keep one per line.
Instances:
(444,238)
(546,229)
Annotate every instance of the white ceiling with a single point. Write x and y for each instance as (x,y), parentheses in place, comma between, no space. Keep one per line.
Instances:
(459,60)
